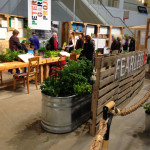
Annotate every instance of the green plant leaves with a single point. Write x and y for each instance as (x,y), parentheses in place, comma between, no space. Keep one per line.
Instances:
(51,54)
(147,107)
(9,56)
(74,79)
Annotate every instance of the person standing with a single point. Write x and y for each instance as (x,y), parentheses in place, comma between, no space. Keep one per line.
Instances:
(88,48)
(126,44)
(14,44)
(132,45)
(79,43)
(53,42)
(114,45)
(35,42)
(71,44)
(119,44)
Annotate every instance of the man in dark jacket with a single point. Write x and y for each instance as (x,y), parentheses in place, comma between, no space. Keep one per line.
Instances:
(80,42)
(132,45)
(114,45)
(35,41)
(53,42)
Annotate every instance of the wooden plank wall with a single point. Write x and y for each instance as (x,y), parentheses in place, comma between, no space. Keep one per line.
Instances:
(107,88)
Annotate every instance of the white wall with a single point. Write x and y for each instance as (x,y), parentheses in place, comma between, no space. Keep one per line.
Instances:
(135,19)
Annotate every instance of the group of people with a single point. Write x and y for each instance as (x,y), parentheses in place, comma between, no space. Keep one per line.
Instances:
(127,45)
(87,44)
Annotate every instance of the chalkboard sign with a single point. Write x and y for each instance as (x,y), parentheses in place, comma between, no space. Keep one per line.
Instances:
(142,10)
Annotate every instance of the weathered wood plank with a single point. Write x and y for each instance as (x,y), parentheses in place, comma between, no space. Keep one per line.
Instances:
(108,88)
(124,93)
(107,73)
(125,81)
(107,96)
(106,81)
(124,87)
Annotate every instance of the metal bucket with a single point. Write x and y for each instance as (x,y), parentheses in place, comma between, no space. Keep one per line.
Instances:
(64,114)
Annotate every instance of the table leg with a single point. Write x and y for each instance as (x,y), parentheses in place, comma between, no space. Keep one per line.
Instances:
(1,76)
(41,74)
(46,71)
(24,70)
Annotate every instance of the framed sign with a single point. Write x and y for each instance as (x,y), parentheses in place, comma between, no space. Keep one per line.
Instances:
(39,14)
(142,10)
(126,15)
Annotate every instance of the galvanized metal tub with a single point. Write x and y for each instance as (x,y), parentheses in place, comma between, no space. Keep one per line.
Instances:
(64,114)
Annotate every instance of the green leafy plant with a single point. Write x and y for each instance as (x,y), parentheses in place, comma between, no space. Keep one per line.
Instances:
(9,56)
(51,54)
(42,49)
(78,51)
(147,107)
(74,79)
(28,34)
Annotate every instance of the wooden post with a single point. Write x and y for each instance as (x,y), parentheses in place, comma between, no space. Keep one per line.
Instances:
(46,71)
(147,33)
(1,76)
(109,36)
(95,95)
(41,74)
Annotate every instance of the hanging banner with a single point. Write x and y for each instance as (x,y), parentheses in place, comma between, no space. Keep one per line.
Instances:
(39,14)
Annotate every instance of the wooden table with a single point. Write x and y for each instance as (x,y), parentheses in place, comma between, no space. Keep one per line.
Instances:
(43,67)
(46,66)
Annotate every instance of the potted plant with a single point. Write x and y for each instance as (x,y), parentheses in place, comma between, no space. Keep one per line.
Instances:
(66,100)
(147,117)
(27,36)
(42,51)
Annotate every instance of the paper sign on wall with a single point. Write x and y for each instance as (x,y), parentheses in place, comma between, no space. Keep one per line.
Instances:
(101,43)
(39,14)
(116,30)
(4,23)
(103,30)
(3,33)
(90,30)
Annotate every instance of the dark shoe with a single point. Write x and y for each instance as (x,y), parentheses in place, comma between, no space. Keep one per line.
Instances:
(10,71)
(17,71)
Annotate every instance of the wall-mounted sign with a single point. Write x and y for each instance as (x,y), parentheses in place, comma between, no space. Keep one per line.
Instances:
(126,15)
(39,14)
(126,65)
(142,10)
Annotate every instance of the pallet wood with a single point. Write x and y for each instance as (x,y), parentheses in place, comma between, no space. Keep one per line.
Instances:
(121,90)
(107,73)
(106,81)
(107,88)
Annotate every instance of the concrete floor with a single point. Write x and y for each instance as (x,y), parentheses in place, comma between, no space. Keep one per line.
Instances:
(21,130)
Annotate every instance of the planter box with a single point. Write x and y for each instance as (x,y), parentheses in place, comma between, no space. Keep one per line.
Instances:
(64,114)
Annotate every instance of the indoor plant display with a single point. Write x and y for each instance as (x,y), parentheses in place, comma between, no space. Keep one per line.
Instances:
(27,36)
(147,117)
(9,56)
(69,96)
(41,51)
(51,54)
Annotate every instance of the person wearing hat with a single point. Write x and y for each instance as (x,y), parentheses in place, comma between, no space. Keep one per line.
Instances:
(35,42)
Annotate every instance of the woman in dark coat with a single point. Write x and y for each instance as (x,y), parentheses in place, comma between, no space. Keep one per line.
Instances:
(88,48)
